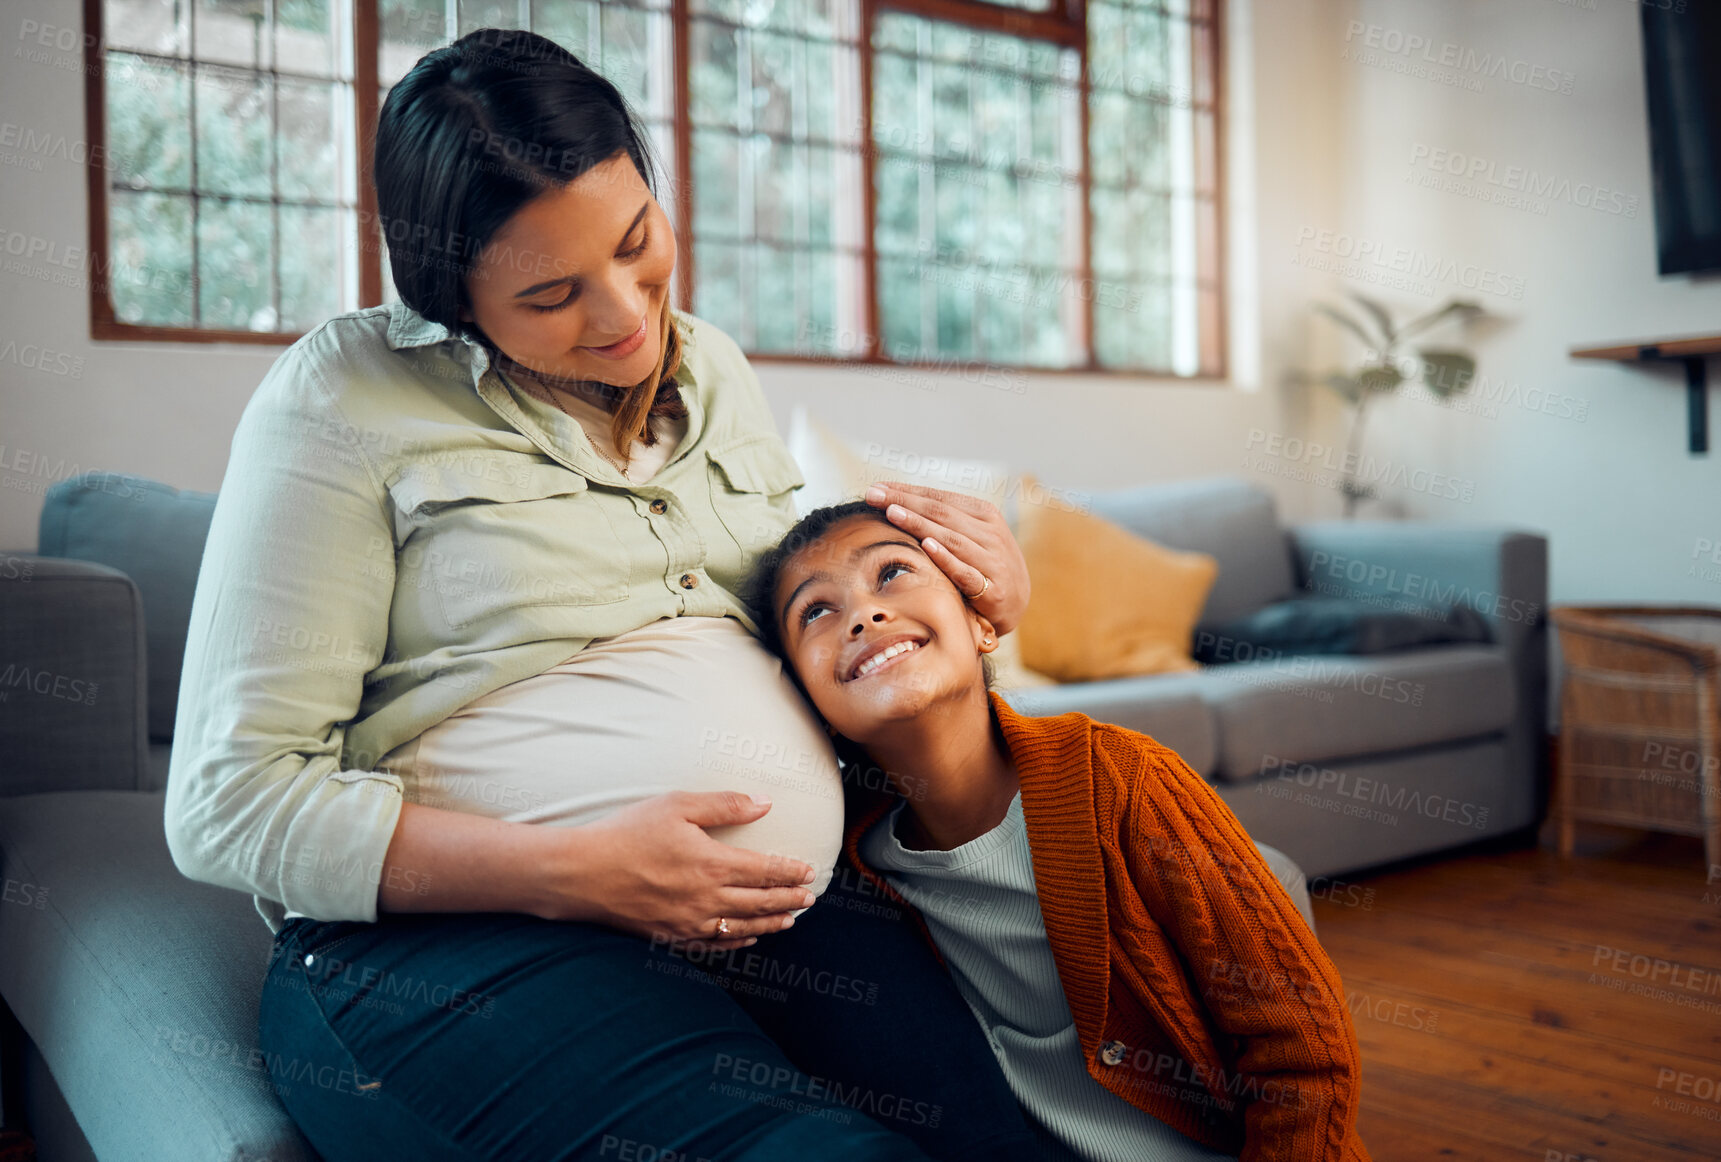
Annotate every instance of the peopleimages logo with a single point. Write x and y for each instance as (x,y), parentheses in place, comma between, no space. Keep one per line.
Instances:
(1472,173)
(1359,255)
(1411,46)
(1365,469)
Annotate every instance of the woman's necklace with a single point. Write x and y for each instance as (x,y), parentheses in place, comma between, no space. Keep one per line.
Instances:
(620,465)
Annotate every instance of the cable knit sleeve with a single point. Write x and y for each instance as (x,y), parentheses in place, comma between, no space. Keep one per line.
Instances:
(1262,977)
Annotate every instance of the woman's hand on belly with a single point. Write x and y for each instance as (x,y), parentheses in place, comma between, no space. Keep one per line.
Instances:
(652,870)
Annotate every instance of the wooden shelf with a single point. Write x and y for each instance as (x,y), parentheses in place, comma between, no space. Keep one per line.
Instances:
(1694,352)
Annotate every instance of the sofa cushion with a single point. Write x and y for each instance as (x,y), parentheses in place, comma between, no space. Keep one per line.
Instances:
(140,986)
(155,535)
(1315,624)
(1231,520)
(1309,708)
(72,693)
(1165,707)
(1335,818)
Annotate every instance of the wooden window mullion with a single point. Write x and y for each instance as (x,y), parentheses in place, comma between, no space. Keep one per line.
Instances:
(102,318)
(274,83)
(683,145)
(872,341)
(367,50)
(191,135)
(1085,303)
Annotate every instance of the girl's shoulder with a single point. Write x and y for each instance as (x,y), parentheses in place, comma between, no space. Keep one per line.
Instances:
(1139,765)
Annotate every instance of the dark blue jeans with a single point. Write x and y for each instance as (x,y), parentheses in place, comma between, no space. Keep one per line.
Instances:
(502,1036)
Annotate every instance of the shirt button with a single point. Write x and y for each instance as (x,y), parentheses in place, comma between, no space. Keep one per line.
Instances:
(660,506)
(689,581)
(1112,1052)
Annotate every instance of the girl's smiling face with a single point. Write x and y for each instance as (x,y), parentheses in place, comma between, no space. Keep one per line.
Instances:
(875,631)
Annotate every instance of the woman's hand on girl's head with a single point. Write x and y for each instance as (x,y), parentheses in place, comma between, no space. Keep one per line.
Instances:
(652,870)
(968,539)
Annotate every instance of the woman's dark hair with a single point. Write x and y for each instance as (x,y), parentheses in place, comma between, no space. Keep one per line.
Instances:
(761,584)
(472,133)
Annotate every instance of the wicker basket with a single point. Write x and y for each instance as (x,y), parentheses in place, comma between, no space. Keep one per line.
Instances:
(1639,739)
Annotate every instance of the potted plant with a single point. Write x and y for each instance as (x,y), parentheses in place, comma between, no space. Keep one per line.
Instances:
(1445,372)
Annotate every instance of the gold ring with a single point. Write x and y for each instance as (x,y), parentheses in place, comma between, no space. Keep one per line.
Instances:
(983,588)
(722,926)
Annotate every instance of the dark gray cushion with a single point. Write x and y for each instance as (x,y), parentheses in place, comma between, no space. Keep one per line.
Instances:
(1312,709)
(1333,625)
(72,709)
(155,535)
(1231,520)
(141,986)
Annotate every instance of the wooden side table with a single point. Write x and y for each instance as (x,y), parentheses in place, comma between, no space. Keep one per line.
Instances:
(1640,743)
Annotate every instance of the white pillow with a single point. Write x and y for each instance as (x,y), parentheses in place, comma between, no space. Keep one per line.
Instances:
(837,470)
(833,472)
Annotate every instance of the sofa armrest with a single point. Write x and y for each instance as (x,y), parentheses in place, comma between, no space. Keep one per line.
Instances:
(73,714)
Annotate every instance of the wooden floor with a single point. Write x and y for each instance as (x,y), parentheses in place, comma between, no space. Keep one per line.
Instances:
(1514,1006)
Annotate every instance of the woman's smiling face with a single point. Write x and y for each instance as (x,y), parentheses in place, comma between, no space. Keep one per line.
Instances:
(875,631)
(573,285)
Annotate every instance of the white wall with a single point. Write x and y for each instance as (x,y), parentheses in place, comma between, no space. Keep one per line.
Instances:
(1328,142)
(1621,501)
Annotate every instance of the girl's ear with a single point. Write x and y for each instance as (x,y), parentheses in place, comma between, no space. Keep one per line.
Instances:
(987,637)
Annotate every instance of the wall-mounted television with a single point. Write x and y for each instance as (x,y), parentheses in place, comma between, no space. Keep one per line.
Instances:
(1682,79)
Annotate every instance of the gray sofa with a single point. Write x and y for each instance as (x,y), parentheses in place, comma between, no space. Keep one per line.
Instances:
(1345,763)
(131,992)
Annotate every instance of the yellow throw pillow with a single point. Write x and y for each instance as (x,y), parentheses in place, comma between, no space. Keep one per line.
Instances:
(1106,603)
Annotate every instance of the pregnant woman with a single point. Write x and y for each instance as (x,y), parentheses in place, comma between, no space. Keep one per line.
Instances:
(471,707)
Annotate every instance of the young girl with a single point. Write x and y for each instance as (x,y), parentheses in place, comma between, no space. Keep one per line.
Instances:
(1119,937)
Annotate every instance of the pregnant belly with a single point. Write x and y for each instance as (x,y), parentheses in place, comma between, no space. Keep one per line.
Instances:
(682,704)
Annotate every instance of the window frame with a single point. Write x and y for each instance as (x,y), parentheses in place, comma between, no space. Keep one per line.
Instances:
(1063,23)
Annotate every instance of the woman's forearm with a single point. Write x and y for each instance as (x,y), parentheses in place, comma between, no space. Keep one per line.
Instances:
(452,861)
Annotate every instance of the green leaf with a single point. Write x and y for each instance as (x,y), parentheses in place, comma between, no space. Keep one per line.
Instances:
(1346,386)
(1346,322)
(1379,380)
(1382,318)
(1447,373)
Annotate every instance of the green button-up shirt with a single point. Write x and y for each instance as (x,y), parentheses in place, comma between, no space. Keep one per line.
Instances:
(402,529)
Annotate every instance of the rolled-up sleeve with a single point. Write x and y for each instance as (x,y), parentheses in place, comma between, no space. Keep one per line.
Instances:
(291,612)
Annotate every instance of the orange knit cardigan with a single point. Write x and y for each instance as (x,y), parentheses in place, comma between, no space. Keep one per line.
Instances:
(1199,994)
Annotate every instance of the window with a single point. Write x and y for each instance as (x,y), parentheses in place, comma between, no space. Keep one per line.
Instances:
(226,201)
(1033,183)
